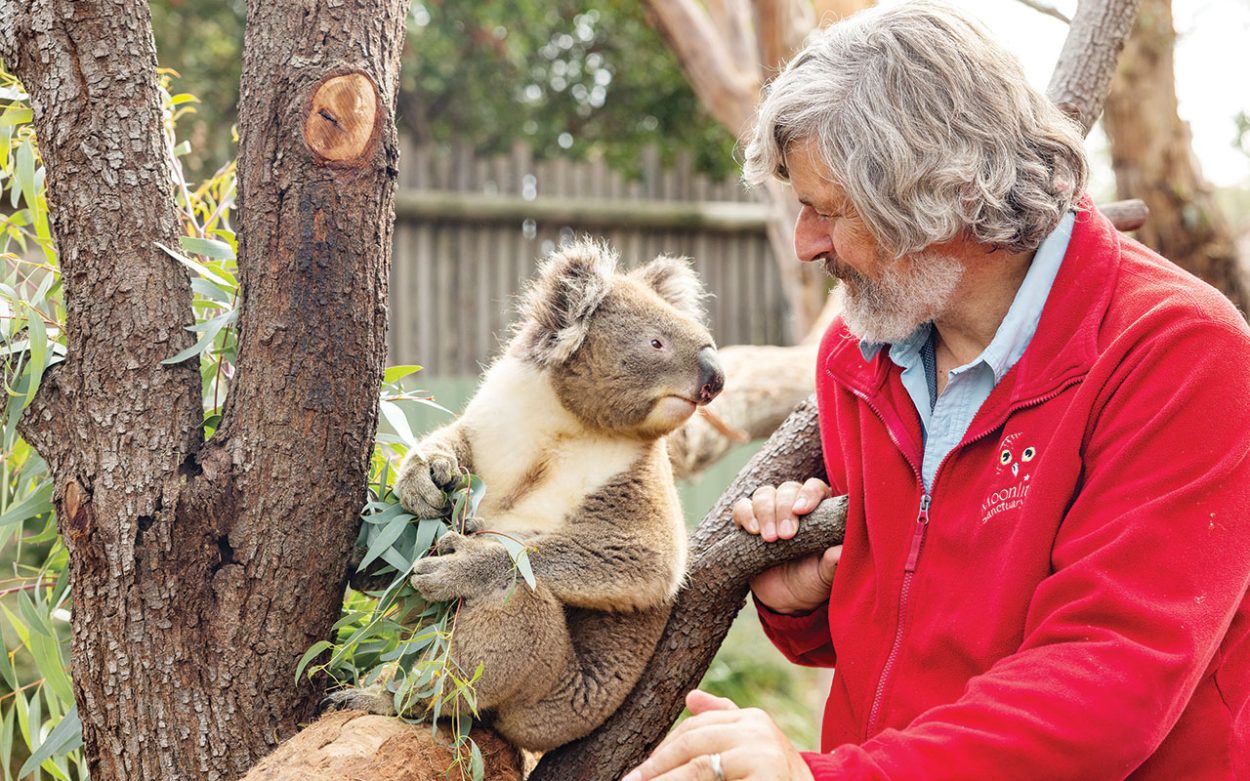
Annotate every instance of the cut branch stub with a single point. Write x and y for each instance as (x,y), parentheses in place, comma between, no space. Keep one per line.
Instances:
(341,125)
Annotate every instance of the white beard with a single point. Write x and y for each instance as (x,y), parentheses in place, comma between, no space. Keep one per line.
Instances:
(911,291)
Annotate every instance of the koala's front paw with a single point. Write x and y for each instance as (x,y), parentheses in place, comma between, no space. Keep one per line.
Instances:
(438,579)
(464,567)
(372,699)
(424,480)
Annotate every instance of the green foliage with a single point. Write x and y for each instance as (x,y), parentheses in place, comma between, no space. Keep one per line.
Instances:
(566,79)
(393,638)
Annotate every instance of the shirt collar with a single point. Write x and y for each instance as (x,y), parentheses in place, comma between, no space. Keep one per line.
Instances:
(1018,326)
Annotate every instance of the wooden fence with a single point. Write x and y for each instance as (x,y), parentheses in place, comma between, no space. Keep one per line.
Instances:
(470,230)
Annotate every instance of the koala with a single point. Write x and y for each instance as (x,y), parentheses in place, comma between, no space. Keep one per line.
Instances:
(566,431)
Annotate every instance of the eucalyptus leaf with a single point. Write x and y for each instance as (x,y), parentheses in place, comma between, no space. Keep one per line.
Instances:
(209,248)
(396,373)
(383,539)
(210,330)
(34,504)
(398,421)
(201,269)
(38,354)
(64,738)
(313,652)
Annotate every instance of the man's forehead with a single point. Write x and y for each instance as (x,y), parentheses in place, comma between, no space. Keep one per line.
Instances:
(810,177)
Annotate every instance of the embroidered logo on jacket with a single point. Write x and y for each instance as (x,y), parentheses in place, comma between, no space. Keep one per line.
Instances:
(1015,458)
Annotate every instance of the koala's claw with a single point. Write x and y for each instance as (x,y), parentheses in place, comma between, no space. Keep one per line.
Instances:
(431,577)
(372,699)
(423,482)
(449,543)
(470,525)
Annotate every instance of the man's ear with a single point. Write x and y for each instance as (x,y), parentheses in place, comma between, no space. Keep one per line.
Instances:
(557,305)
(676,282)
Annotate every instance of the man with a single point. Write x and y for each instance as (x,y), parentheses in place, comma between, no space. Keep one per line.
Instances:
(1043,429)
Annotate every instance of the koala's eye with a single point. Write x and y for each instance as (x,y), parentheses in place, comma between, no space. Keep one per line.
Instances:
(657,344)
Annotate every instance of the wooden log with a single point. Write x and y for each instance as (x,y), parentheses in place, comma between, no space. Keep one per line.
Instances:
(356,745)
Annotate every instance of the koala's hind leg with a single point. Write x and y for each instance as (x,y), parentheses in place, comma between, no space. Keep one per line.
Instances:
(610,652)
(520,639)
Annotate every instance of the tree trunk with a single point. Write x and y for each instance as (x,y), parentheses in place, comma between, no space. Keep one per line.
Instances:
(1153,160)
(201,572)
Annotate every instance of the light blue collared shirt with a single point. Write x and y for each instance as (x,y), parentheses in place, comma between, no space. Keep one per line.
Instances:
(945,422)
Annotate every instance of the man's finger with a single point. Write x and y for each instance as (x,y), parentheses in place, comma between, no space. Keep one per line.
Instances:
(828,563)
(764,505)
(744,516)
(702,721)
(691,748)
(699,701)
(814,492)
(734,764)
(787,524)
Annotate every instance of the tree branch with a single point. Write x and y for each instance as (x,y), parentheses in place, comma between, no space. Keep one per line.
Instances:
(727,91)
(780,27)
(723,560)
(1087,62)
(1047,9)
(733,21)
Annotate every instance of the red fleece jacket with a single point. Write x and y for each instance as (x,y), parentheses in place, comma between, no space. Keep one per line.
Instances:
(1073,606)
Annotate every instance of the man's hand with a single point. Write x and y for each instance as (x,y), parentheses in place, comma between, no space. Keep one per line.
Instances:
(797,586)
(748,743)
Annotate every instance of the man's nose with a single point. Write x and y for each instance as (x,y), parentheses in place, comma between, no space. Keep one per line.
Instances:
(811,237)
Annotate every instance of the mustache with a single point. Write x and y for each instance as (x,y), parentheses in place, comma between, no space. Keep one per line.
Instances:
(838,269)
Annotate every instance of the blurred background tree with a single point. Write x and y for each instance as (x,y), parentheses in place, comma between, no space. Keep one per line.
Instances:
(568,80)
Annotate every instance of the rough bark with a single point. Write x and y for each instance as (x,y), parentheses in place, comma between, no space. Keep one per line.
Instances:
(1086,63)
(722,562)
(202,572)
(1153,159)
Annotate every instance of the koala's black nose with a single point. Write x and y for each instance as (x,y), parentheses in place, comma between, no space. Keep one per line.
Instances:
(711,375)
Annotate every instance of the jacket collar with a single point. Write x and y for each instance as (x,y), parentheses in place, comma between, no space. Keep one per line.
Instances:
(1065,344)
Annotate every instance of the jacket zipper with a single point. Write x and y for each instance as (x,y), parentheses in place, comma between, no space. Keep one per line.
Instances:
(909,570)
(921,527)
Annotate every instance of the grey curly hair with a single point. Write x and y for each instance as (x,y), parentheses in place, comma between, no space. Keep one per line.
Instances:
(929,125)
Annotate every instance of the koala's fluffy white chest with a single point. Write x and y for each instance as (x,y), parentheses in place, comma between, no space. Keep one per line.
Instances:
(538,461)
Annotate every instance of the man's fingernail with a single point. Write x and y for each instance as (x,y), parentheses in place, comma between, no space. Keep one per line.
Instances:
(787,528)
(634,775)
(769,530)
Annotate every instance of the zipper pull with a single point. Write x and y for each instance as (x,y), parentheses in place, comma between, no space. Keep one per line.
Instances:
(917,537)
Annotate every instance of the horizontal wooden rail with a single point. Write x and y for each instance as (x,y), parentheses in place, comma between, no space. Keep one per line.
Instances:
(718,216)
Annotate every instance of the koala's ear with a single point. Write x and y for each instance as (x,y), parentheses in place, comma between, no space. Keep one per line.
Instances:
(676,282)
(556,307)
